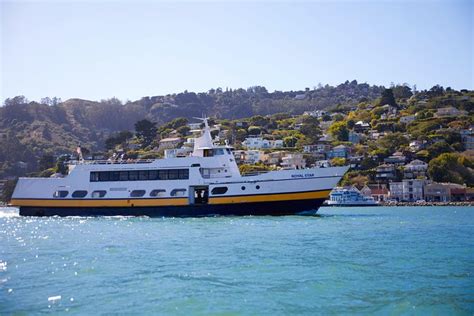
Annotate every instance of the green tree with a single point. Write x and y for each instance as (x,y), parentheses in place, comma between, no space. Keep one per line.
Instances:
(451,167)
(145,132)
(439,148)
(337,161)
(45,162)
(388,98)
(392,141)
(402,91)
(254,130)
(339,131)
(290,141)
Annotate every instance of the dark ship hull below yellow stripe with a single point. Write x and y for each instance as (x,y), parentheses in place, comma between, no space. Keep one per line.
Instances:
(264,204)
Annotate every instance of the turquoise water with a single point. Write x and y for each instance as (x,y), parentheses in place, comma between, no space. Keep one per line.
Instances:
(413,260)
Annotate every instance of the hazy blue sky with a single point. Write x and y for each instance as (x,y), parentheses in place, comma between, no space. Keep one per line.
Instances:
(96,50)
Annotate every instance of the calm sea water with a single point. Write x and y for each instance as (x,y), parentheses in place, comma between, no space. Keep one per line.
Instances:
(345,261)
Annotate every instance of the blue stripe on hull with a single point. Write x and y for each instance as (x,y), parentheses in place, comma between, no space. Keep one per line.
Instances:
(242,209)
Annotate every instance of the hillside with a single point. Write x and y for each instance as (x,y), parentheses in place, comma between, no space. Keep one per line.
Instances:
(33,135)
(29,130)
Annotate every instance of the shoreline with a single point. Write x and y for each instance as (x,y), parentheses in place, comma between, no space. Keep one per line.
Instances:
(463,203)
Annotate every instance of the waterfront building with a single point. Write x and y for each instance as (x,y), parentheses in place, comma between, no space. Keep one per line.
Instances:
(447,192)
(408,190)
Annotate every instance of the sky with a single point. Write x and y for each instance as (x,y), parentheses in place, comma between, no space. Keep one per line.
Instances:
(130,49)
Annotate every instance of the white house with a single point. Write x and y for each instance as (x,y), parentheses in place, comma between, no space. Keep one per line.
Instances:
(408,190)
(260,143)
(407,119)
(293,161)
(449,111)
(414,169)
(254,156)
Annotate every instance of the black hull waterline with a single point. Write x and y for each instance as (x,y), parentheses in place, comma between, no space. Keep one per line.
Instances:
(276,208)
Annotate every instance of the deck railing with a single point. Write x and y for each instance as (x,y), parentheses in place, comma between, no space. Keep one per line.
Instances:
(110,162)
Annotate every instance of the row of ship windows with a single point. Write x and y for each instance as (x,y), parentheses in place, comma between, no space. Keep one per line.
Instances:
(134,193)
(139,175)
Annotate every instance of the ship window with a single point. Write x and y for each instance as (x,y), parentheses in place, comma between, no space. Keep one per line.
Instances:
(243,188)
(153,175)
(257,187)
(196,165)
(157,192)
(115,176)
(163,174)
(143,175)
(79,194)
(123,175)
(98,193)
(218,151)
(137,193)
(219,190)
(104,176)
(184,173)
(173,174)
(208,153)
(132,175)
(178,192)
(94,176)
(228,151)
(60,194)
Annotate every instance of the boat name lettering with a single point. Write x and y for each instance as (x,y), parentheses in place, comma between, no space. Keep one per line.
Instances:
(306,175)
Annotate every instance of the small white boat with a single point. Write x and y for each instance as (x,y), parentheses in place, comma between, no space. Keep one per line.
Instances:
(349,196)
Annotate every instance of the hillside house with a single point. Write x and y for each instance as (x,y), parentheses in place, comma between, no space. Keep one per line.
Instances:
(260,143)
(355,137)
(320,148)
(385,173)
(449,111)
(274,158)
(415,169)
(467,137)
(254,156)
(340,151)
(170,142)
(293,161)
(407,119)
(397,159)
(361,126)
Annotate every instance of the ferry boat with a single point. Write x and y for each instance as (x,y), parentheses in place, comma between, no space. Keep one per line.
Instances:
(206,183)
(349,196)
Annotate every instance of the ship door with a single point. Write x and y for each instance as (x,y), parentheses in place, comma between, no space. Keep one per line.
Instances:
(199,195)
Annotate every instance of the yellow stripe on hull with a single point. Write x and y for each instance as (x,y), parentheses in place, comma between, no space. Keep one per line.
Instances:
(270,197)
(169,202)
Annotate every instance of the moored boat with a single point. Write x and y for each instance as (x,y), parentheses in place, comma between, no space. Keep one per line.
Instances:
(206,183)
(349,196)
